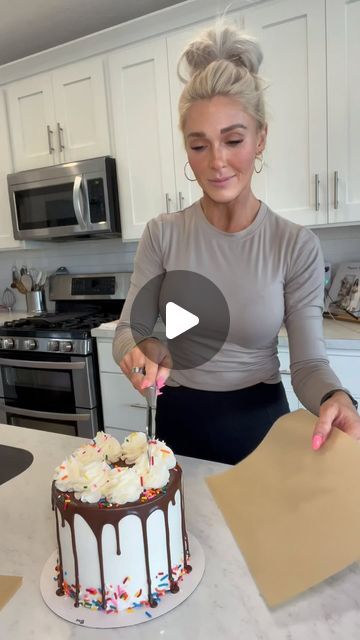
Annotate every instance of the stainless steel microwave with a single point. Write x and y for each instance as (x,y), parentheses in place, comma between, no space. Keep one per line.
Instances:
(65,201)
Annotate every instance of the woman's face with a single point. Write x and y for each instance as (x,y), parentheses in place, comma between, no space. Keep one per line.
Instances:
(222,141)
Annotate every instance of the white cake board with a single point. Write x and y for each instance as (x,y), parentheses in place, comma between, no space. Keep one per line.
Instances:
(64,606)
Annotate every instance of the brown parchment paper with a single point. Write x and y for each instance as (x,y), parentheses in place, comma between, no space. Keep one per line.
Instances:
(8,586)
(294,512)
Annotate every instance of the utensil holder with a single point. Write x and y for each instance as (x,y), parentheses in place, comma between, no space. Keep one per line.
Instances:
(35,301)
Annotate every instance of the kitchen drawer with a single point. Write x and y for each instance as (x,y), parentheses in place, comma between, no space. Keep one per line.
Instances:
(119,434)
(106,360)
(123,406)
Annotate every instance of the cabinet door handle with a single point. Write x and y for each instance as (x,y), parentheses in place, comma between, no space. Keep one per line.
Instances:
(317,185)
(336,190)
(60,132)
(181,200)
(285,372)
(168,200)
(49,134)
(137,405)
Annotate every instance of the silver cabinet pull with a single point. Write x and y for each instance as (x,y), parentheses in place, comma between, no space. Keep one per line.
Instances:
(60,132)
(317,185)
(285,372)
(168,200)
(181,200)
(49,134)
(336,190)
(137,405)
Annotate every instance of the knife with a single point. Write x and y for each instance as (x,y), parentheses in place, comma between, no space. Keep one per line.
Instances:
(150,395)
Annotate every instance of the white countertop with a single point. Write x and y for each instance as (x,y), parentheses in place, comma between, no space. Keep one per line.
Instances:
(13,315)
(338,334)
(226,604)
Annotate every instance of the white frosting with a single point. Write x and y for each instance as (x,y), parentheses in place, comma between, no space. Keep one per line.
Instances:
(88,471)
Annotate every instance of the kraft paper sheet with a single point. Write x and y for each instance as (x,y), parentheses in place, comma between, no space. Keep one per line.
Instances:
(294,512)
(8,586)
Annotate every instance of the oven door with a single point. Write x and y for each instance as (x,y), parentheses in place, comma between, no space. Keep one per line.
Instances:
(49,208)
(49,391)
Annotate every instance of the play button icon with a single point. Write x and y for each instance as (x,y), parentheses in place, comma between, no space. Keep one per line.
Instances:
(178,320)
(194,311)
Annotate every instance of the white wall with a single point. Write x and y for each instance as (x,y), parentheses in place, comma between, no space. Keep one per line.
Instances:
(87,256)
(338,244)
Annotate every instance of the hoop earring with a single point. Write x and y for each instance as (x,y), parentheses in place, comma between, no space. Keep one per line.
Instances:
(260,157)
(186,176)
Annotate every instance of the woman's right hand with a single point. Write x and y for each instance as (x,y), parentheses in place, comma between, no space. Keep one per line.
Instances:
(154,358)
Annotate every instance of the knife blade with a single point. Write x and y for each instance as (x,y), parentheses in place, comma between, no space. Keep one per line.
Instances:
(150,395)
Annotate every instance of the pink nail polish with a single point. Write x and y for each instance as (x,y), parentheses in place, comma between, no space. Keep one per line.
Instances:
(145,384)
(160,382)
(316,442)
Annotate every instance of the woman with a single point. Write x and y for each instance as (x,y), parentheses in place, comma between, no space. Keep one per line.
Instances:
(269,270)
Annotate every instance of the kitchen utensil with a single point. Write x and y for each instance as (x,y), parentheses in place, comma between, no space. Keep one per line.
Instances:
(35,301)
(38,280)
(8,299)
(150,395)
(20,287)
(27,281)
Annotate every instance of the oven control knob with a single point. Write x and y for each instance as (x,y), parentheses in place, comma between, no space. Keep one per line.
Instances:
(53,345)
(8,343)
(66,346)
(30,344)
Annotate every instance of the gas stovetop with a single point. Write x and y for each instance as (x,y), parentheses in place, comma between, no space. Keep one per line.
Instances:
(68,332)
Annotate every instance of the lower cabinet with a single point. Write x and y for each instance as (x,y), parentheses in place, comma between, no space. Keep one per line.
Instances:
(344,362)
(124,409)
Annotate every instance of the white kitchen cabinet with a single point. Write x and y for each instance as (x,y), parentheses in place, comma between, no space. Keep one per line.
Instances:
(187,191)
(344,362)
(343,54)
(292,36)
(143,134)
(124,409)
(7,240)
(312,159)
(60,116)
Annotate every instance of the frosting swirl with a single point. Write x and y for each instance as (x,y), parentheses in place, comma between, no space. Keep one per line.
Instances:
(90,472)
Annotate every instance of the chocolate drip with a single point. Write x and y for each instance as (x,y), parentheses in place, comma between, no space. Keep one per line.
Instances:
(60,578)
(97,518)
(185,539)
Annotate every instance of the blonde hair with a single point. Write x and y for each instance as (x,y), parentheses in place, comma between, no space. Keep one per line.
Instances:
(222,61)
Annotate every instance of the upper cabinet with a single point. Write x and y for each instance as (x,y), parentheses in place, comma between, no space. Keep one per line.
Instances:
(149,145)
(312,159)
(143,134)
(59,116)
(6,233)
(343,55)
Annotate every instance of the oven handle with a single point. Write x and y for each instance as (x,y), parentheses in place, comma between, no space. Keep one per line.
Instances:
(67,417)
(30,364)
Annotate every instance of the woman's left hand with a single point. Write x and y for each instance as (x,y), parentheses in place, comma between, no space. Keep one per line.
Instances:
(338,411)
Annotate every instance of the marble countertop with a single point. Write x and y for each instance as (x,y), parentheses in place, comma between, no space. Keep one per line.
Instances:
(226,604)
(338,334)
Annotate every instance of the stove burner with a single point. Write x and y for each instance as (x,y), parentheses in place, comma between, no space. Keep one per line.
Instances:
(62,321)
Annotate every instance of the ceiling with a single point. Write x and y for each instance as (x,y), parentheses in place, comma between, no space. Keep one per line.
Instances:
(29,26)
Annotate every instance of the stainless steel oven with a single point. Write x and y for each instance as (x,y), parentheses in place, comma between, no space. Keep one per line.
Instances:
(49,377)
(49,392)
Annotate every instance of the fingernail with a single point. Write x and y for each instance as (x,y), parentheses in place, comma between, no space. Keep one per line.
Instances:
(145,384)
(160,382)
(316,442)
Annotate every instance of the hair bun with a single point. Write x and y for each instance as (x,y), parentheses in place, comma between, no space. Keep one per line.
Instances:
(222,43)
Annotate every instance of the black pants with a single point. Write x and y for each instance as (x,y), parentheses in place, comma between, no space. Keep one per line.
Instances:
(224,426)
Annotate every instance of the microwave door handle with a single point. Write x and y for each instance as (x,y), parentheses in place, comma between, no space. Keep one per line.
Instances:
(77,202)
(46,415)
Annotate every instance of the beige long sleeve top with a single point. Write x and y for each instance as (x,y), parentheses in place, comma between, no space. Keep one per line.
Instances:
(270,273)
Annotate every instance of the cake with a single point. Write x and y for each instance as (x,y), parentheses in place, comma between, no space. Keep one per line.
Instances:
(120,524)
